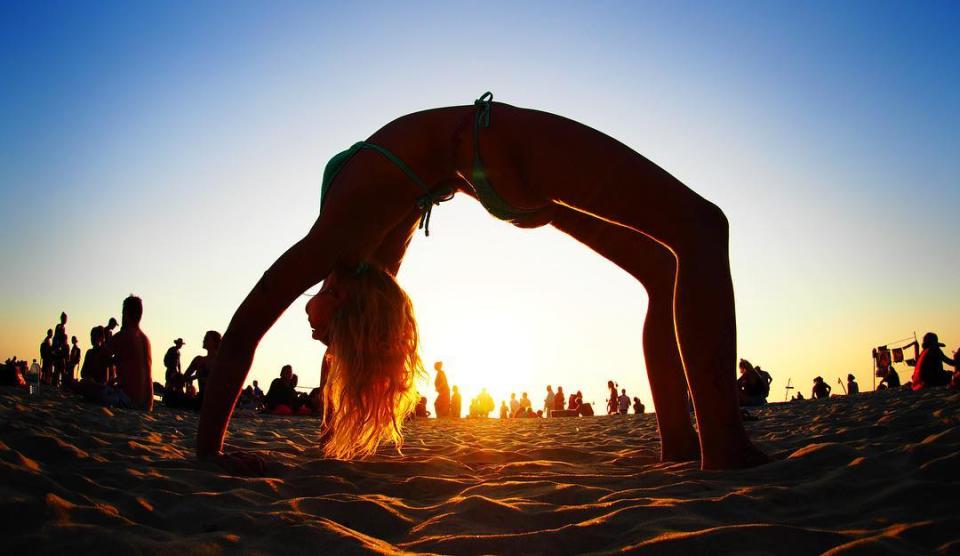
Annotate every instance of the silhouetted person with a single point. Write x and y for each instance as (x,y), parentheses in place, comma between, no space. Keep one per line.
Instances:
(514,404)
(442,403)
(820,388)
(61,351)
(559,400)
(752,385)
(97,363)
(526,406)
(133,357)
(638,407)
(549,401)
(485,403)
(281,391)
(455,403)
(108,330)
(171,360)
(46,358)
(257,391)
(929,370)
(613,402)
(623,402)
(852,387)
(73,361)
(34,370)
(421,409)
(889,378)
(767,381)
(531,168)
(504,412)
(199,369)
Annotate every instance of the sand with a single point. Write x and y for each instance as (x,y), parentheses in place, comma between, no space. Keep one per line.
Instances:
(873,474)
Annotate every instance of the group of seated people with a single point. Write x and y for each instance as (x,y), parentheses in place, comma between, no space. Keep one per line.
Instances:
(753,385)
(282,397)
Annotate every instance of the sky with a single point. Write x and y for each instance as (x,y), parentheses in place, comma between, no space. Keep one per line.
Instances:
(175,149)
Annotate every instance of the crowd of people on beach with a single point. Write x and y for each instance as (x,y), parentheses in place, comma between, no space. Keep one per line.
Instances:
(116,371)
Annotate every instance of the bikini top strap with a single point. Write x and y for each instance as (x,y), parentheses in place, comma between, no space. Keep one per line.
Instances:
(425,202)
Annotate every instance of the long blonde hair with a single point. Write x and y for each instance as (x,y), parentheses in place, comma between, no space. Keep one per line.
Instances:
(375,360)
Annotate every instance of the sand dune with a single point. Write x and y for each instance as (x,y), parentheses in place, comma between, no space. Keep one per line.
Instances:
(875,474)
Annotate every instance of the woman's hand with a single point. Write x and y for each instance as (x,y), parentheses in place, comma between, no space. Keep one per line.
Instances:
(244,463)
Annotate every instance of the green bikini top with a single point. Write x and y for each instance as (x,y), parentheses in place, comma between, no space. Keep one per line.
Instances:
(488,196)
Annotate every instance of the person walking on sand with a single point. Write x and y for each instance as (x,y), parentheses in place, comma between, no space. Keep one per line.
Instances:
(852,387)
(820,389)
(442,403)
(133,356)
(530,168)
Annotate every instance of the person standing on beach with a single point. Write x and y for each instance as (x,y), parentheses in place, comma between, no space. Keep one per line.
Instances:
(442,404)
(514,404)
(73,361)
(820,389)
(560,400)
(549,401)
(613,404)
(46,357)
(60,350)
(624,402)
(171,361)
(134,358)
(852,387)
(455,403)
(108,330)
(929,370)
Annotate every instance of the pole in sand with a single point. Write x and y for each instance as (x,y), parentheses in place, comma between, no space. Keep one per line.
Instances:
(786,393)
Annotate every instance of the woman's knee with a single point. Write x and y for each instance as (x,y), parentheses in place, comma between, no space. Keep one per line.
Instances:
(706,231)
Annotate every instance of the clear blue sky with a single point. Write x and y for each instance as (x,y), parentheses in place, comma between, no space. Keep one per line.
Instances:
(175,149)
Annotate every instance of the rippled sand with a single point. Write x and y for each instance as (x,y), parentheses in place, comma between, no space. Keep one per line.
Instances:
(876,474)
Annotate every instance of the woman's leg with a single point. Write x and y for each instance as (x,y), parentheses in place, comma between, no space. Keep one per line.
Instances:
(655,267)
(629,190)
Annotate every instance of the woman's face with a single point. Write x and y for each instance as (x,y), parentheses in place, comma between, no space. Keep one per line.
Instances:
(321,308)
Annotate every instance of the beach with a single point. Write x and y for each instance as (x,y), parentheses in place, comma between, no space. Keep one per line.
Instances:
(871,474)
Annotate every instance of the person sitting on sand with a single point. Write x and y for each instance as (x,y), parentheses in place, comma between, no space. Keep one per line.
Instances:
(442,403)
(421,408)
(889,378)
(560,400)
(798,398)
(638,406)
(852,387)
(97,363)
(281,391)
(199,369)
(504,412)
(752,386)
(820,388)
(623,402)
(573,404)
(929,370)
(133,357)
(456,403)
(531,168)
(526,405)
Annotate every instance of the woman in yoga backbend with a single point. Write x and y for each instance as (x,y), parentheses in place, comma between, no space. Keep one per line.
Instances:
(530,168)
